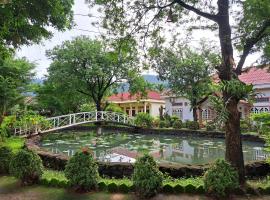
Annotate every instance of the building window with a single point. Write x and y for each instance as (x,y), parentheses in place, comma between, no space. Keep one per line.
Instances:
(205,114)
(262,100)
(178,112)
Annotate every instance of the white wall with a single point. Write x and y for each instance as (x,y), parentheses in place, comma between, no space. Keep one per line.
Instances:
(187,113)
(154,110)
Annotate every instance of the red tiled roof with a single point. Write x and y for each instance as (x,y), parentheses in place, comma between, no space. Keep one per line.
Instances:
(126,96)
(255,75)
(251,75)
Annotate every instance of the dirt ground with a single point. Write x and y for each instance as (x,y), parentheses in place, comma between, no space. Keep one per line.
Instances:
(10,189)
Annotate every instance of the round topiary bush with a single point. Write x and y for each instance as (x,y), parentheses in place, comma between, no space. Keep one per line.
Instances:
(164,124)
(178,189)
(82,171)
(102,186)
(178,124)
(200,189)
(112,187)
(190,189)
(210,126)
(147,178)
(220,179)
(26,166)
(5,157)
(167,189)
(124,188)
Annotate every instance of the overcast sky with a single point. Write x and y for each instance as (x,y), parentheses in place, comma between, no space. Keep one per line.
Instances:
(36,53)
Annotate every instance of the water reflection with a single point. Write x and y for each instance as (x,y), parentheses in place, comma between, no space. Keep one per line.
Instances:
(165,149)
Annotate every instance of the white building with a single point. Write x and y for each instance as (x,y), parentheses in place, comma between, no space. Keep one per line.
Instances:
(259,78)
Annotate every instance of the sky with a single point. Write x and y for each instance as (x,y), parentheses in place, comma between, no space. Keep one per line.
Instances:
(37,53)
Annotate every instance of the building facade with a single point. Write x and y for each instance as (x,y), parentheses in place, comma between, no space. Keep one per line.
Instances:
(259,78)
(134,104)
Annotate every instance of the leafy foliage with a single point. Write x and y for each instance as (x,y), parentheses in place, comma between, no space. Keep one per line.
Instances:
(92,67)
(193,125)
(15,77)
(24,23)
(144,120)
(220,179)
(114,108)
(5,157)
(6,125)
(147,178)
(82,171)
(27,166)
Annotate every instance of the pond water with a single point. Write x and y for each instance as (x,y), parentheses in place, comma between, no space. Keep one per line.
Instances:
(122,147)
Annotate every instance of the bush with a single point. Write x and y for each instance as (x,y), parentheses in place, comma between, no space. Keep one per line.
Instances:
(112,187)
(173,119)
(144,120)
(190,189)
(164,124)
(193,125)
(178,124)
(6,127)
(156,123)
(210,126)
(27,166)
(167,188)
(220,179)
(82,171)
(5,157)
(200,189)
(178,188)
(124,188)
(102,186)
(147,178)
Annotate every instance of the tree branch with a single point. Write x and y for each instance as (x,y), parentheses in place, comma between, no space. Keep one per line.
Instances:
(197,11)
(250,44)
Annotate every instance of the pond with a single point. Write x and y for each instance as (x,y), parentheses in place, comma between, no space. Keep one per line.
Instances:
(123,147)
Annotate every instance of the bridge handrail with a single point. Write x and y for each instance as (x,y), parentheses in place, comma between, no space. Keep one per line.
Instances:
(69,120)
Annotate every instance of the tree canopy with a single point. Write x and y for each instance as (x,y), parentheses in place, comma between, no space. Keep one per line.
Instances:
(15,76)
(187,72)
(91,67)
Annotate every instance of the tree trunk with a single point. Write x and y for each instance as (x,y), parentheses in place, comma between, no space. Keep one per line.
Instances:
(234,153)
(98,106)
(195,116)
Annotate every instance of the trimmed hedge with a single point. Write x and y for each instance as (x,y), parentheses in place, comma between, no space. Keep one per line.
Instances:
(124,188)
(178,189)
(112,187)
(167,188)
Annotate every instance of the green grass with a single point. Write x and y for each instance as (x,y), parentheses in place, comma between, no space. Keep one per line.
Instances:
(260,183)
(49,174)
(15,143)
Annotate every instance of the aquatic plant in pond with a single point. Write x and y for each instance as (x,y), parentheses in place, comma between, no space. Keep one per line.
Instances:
(164,148)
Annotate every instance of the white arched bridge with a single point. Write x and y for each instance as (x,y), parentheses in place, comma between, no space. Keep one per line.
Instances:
(66,121)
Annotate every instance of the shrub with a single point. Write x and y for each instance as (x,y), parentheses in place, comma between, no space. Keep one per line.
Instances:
(144,120)
(27,166)
(102,186)
(200,189)
(147,178)
(112,187)
(164,124)
(5,157)
(190,189)
(210,126)
(124,188)
(193,125)
(82,171)
(220,179)
(178,188)
(178,124)
(6,126)
(156,123)
(167,188)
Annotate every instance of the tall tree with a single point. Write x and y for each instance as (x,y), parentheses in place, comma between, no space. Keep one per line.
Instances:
(249,33)
(15,77)
(187,72)
(92,67)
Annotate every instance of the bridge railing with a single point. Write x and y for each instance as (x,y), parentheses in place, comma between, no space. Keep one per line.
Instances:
(64,121)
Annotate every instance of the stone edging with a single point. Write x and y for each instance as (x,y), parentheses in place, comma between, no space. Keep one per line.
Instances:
(120,170)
